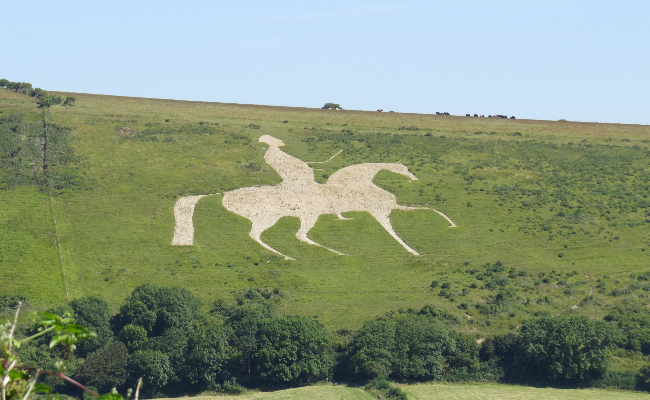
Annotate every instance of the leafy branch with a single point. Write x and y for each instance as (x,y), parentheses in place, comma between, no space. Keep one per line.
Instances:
(16,379)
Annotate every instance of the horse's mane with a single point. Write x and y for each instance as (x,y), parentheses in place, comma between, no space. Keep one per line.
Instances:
(357,173)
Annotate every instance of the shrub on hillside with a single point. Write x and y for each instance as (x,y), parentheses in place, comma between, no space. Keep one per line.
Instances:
(134,337)
(93,313)
(10,301)
(633,320)
(153,367)
(563,349)
(332,106)
(380,388)
(106,368)
(159,308)
(207,356)
(410,347)
(292,349)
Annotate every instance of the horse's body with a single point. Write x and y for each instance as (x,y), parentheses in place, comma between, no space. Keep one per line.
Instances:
(349,189)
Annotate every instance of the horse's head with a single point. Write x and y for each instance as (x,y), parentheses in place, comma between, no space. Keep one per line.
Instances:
(271,141)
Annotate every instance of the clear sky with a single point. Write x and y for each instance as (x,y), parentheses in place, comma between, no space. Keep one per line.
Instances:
(540,59)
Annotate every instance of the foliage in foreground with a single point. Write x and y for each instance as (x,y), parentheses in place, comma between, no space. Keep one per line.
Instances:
(17,379)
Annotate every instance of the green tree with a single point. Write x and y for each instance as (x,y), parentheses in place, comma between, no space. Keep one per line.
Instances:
(332,106)
(3,83)
(244,322)
(152,366)
(25,87)
(173,344)
(564,349)
(106,368)
(371,350)
(633,320)
(134,337)
(93,313)
(207,355)
(644,376)
(135,312)
(426,349)
(292,349)
(37,92)
(13,86)
(159,308)
(48,100)
(410,346)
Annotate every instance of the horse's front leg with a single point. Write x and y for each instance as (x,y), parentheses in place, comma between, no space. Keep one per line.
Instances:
(382,217)
(306,223)
(260,226)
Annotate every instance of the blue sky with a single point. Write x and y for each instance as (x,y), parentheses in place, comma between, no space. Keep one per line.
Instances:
(538,59)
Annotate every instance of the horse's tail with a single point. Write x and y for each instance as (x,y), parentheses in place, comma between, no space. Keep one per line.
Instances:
(183,212)
(452,224)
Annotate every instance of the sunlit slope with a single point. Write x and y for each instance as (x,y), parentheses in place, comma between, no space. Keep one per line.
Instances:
(538,196)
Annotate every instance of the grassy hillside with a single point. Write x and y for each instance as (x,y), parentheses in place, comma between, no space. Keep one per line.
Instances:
(562,206)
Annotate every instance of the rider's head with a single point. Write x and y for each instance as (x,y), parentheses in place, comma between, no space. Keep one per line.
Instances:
(271,141)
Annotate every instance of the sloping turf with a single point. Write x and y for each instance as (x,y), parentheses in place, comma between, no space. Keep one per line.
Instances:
(544,198)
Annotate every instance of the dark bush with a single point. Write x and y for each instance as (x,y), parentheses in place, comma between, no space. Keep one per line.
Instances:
(563,349)
(105,369)
(292,349)
(93,313)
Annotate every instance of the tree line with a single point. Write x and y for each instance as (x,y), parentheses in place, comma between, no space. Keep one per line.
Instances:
(161,335)
(44,99)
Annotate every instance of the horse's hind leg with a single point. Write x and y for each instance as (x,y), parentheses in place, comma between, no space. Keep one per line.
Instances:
(260,226)
(382,218)
(306,223)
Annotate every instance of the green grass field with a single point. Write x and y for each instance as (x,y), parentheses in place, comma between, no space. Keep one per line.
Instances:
(506,392)
(545,198)
(320,392)
(442,391)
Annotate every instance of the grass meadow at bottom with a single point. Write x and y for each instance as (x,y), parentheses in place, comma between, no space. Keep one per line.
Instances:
(320,392)
(490,391)
(511,392)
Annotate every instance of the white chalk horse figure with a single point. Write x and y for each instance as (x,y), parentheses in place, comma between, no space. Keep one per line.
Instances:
(298,195)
